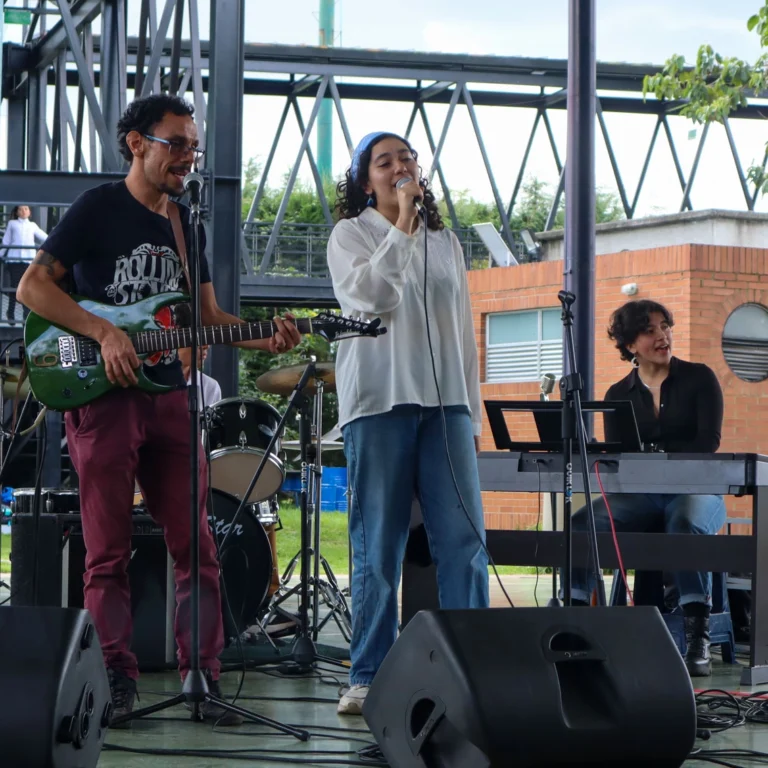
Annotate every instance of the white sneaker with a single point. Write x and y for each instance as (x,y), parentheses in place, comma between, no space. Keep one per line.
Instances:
(351,703)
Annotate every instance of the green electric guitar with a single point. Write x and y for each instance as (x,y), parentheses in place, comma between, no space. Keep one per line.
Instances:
(66,370)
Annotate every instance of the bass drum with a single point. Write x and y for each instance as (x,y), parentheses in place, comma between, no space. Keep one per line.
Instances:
(246,561)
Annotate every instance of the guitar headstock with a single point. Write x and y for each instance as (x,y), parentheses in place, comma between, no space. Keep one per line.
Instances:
(337,327)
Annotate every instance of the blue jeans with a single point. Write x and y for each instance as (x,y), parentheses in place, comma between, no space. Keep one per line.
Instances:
(644,512)
(389,457)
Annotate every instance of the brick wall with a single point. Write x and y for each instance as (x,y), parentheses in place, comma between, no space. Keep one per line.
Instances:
(701,285)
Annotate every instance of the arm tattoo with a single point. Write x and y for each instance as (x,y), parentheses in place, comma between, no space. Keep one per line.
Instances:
(46,260)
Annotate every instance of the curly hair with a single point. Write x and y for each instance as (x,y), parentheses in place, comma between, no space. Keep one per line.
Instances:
(142,115)
(352,200)
(631,319)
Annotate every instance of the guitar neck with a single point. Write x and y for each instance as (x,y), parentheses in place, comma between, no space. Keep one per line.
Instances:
(178,338)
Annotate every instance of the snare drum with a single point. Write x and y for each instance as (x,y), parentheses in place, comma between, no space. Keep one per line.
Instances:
(54,501)
(239,431)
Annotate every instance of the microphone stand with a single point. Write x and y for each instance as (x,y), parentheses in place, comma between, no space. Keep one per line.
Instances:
(571,386)
(554,601)
(195,690)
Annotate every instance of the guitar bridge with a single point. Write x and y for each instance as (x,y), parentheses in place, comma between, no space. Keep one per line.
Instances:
(67,351)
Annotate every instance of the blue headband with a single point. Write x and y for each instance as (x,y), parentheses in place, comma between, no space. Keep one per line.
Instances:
(366,143)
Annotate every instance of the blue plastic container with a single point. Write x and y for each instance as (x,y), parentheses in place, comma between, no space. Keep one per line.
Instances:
(341,499)
(336,476)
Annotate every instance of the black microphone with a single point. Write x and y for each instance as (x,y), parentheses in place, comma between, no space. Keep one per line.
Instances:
(416,200)
(193,183)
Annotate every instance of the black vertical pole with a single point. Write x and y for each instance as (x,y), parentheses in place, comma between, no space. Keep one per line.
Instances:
(580,188)
(224,139)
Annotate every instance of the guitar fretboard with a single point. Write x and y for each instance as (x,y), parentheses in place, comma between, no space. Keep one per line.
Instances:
(177,338)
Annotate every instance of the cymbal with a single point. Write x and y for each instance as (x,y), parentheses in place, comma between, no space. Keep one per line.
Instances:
(10,378)
(282,381)
(326,445)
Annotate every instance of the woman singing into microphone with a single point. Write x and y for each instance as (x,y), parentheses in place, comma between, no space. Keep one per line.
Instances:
(396,440)
(679,409)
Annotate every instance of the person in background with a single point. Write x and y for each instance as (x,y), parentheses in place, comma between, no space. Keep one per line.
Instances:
(210,391)
(20,231)
(679,409)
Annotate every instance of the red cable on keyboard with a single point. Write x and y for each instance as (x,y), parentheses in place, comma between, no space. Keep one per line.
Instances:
(630,598)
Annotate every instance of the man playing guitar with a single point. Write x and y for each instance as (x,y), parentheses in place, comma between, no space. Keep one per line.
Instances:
(117,245)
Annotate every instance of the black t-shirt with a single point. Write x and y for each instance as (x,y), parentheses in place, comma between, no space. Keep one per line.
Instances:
(118,252)
(691,415)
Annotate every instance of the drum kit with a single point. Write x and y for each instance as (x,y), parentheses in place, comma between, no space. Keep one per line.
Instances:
(242,434)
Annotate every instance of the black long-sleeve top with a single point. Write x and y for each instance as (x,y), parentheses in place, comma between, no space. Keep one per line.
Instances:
(691,414)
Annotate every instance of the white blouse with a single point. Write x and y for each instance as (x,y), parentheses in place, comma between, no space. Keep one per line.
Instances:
(21,232)
(378,271)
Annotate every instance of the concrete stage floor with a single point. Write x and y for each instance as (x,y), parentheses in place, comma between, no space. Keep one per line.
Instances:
(311,703)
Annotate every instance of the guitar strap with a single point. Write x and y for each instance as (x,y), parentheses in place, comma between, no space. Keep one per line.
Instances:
(178,235)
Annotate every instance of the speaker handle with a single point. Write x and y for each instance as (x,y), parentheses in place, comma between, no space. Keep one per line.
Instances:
(422,715)
(564,643)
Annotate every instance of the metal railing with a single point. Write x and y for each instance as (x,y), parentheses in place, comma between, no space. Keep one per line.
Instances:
(300,250)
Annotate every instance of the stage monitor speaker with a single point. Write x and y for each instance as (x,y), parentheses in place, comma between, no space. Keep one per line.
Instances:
(54,688)
(528,687)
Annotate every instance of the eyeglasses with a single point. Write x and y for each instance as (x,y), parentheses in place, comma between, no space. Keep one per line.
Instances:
(176,147)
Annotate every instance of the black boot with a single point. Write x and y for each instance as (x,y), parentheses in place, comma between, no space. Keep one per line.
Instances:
(697,658)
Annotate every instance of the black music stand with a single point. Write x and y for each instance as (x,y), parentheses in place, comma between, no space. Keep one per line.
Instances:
(548,417)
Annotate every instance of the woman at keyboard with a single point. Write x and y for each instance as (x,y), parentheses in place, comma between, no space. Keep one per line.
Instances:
(679,408)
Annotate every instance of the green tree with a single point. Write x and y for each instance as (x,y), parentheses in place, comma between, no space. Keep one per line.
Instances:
(253,363)
(716,85)
(532,209)
(303,205)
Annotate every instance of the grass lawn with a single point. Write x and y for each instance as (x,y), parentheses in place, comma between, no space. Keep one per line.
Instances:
(333,543)
(5,550)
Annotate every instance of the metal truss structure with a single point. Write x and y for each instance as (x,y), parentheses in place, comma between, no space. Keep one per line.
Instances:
(68,83)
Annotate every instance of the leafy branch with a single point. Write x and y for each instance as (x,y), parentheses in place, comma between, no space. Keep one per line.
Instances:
(716,85)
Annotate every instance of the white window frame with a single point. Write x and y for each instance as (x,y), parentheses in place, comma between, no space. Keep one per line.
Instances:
(544,362)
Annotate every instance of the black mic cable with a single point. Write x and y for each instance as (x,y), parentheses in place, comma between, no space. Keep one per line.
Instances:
(423,210)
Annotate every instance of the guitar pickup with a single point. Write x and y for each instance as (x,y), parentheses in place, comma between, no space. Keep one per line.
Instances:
(68,349)
(87,350)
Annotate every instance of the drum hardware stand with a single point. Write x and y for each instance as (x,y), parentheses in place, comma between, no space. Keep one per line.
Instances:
(347,591)
(195,687)
(304,653)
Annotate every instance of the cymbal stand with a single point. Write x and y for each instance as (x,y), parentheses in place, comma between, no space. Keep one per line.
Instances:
(332,594)
(310,438)
(347,591)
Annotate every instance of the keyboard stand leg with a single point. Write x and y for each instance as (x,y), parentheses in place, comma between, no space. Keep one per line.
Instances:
(757,671)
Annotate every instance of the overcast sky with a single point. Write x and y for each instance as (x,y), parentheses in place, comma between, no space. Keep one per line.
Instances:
(641,32)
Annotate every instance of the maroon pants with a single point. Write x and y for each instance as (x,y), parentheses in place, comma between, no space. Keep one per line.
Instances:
(125,436)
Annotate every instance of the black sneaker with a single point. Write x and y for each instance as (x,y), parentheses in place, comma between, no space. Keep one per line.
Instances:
(123,691)
(213,712)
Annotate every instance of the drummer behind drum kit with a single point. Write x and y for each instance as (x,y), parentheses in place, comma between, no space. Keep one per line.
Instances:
(238,431)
